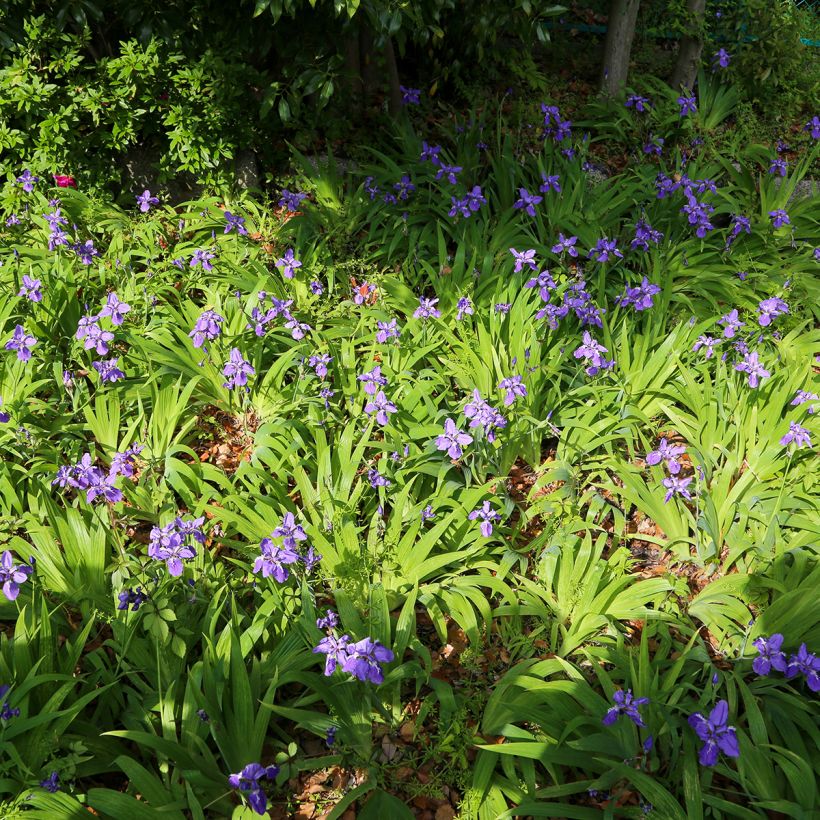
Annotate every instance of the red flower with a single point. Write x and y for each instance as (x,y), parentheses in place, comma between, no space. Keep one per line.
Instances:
(63,181)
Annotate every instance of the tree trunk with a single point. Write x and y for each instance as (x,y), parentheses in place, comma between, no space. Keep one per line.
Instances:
(394,97)
(691,45)
(353,70)
(370,71)
(620,32)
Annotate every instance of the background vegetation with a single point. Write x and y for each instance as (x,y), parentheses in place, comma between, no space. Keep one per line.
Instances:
(499,392)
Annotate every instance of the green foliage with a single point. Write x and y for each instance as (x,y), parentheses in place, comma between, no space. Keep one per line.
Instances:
(508,643)
(770,65)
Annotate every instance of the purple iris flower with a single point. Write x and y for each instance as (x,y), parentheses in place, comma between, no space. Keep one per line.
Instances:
(514,387)
(124,463)
(639,103)
(550,183)
(676,486)
(248,783)
(4,417)
(779,218)
(364,658)
(770,655)
(752,366)
(523,258)
(203,258)
(459,206)
(31,289)
(698,214)
(720,59)
(237,370)
(95,338)
(605,250)
(190,526)
(12,575)
(644,234)
(625,704)
(654,146)
(802,397)
(131,598)
(273,560)
(668,453)
(544,282)
(86,251)
(404,187)
(482,414)
(639,297)
(449,171)
(363,293)
(688,105)
(169,545)
(740,224)
(298,330)
(102,486)
(51,783)
(452,440)
(145,201)
(771,309)
(475,198)
(335,648)
(387,330)
(430,152)
(288,264)
(527,201)
(427,309)
(319,363)
(565,244)
(464,307)
(372,380)
(731,324)
(797,434)
(330,620)
(27,180)
(291,201)
(114,308)
(381,406)
(376,479)
(590,351)
(708,342)
(289,531)
(206,327)
(233,221)
(55,218)
(316,288)
(487,515)
(805,663)
(813,127)
(716,734)
(22,342)
(410,96)
(778,167)
(108,370)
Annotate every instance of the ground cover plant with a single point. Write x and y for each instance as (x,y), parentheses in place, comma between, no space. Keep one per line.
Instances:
(467,482)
